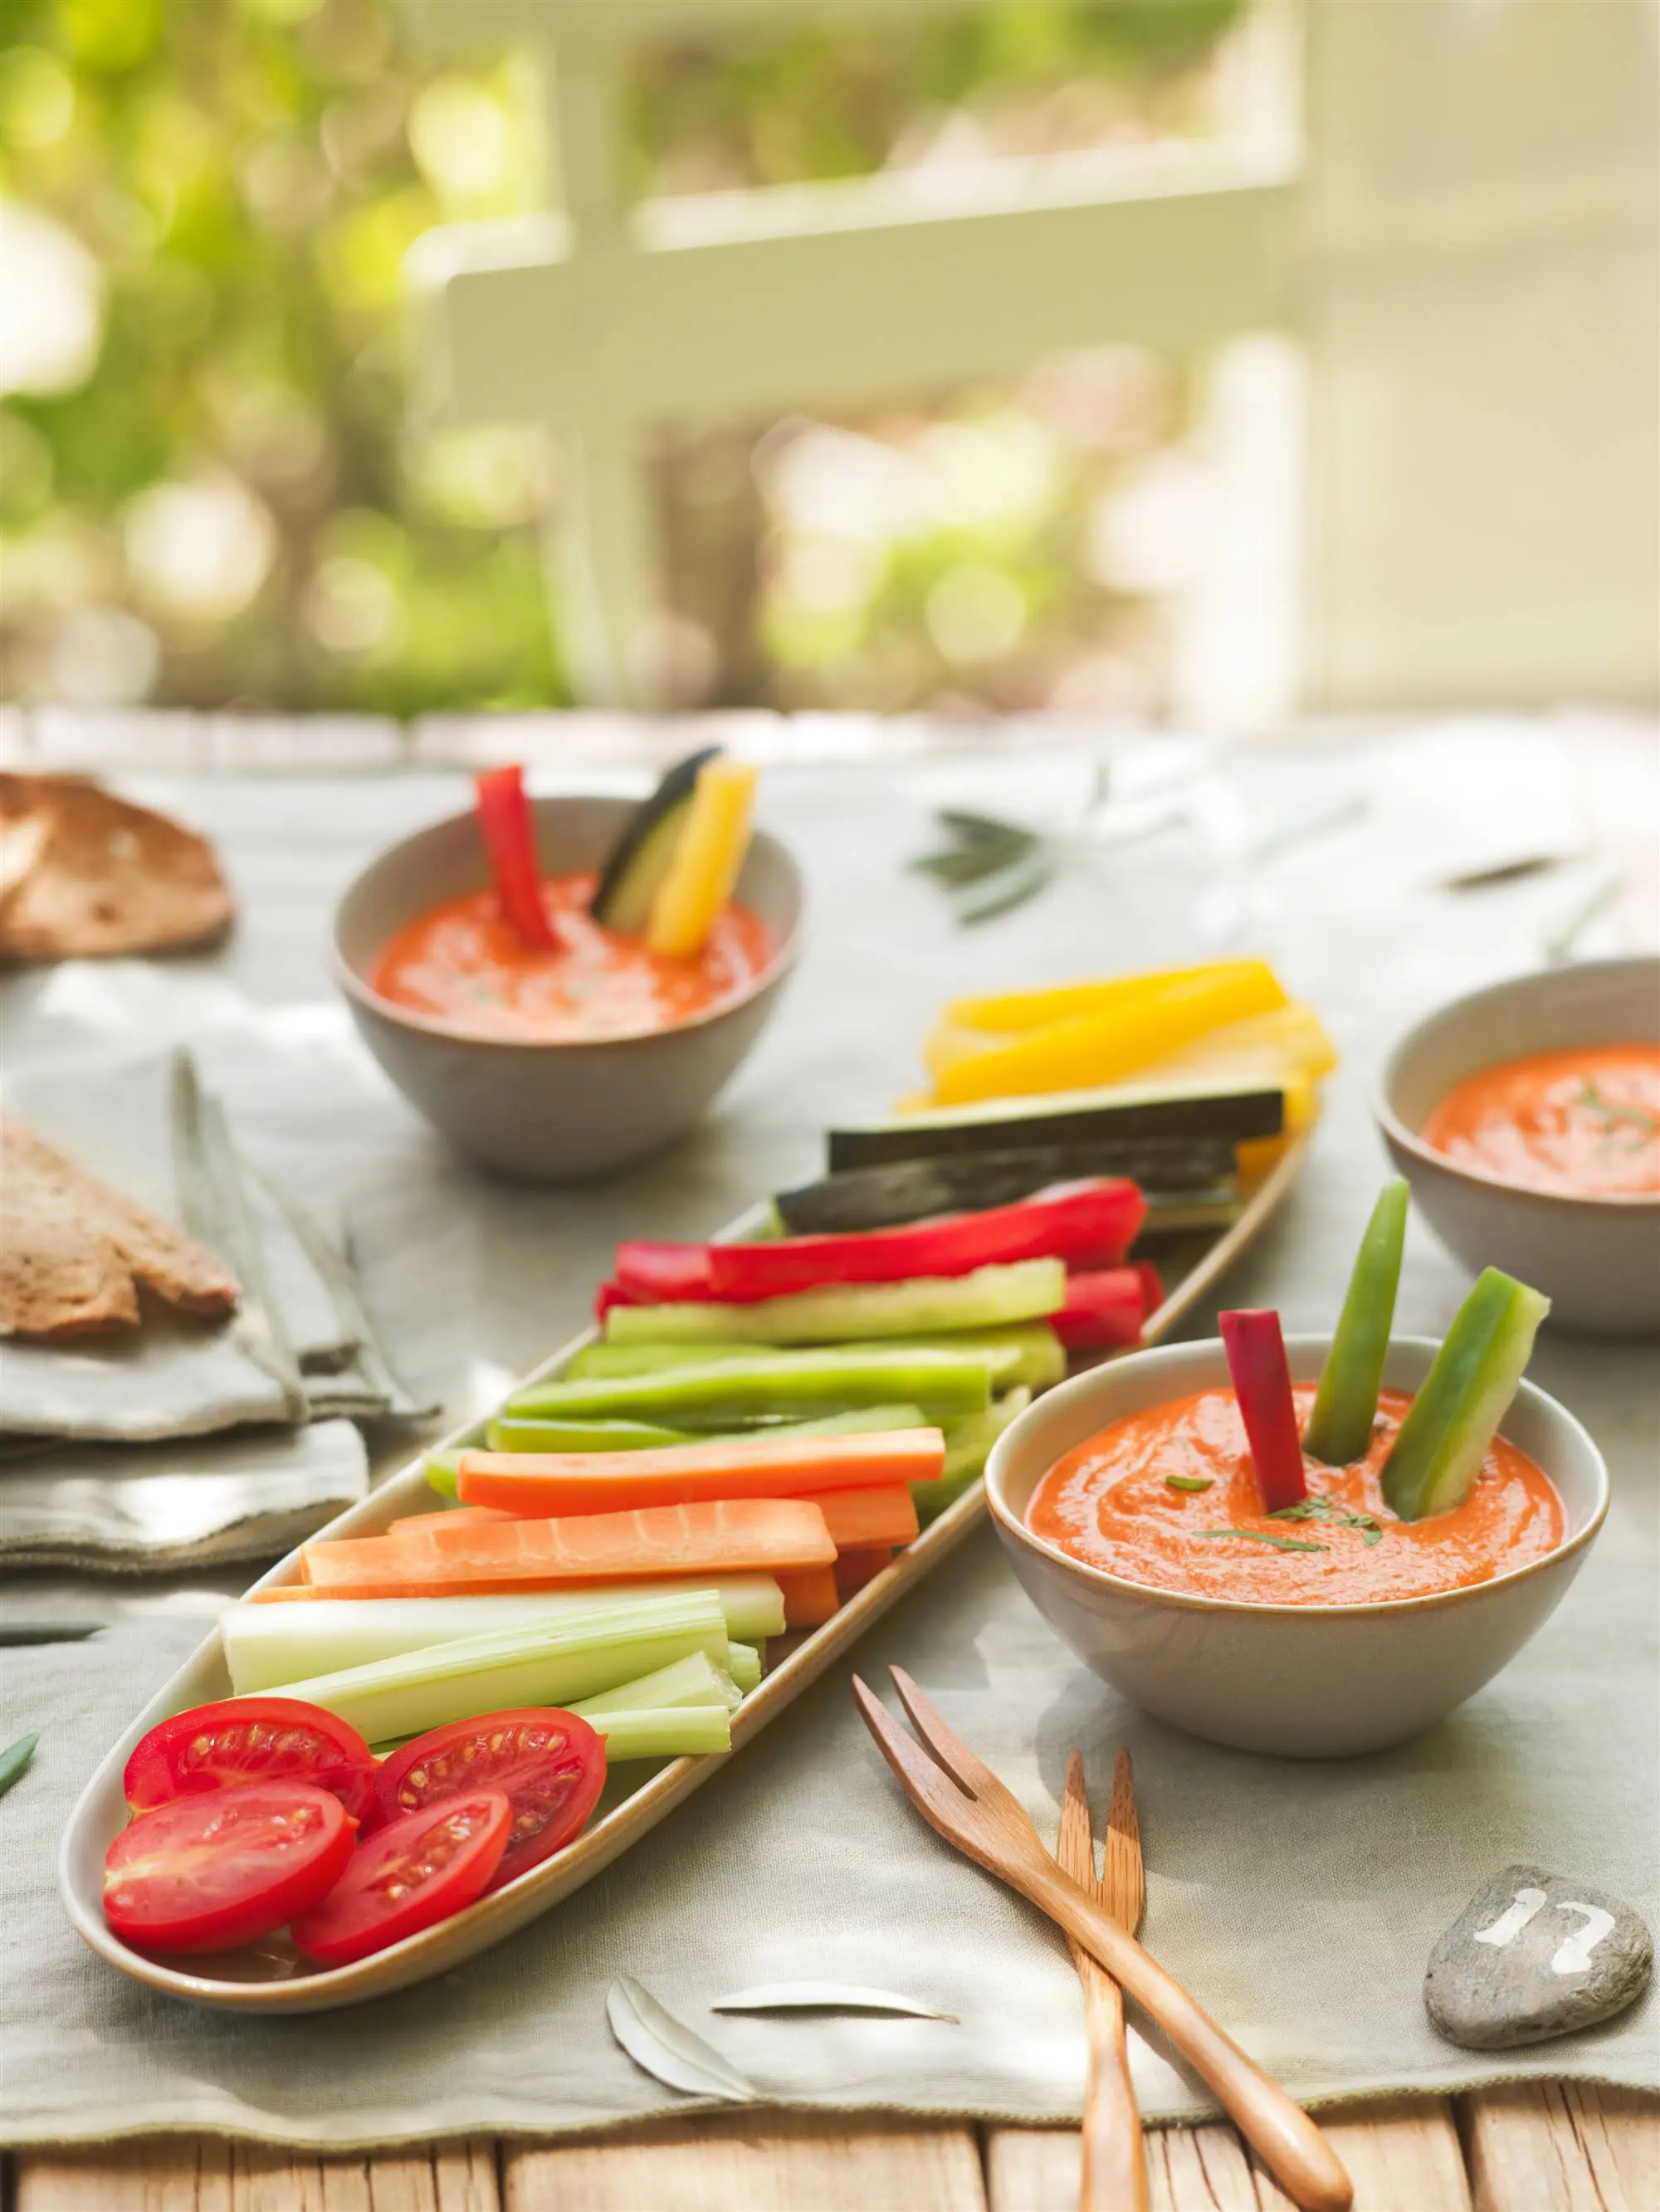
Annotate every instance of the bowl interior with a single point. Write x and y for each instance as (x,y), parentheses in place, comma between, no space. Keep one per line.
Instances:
(448,861)
(1068,1416)
(1596,1002)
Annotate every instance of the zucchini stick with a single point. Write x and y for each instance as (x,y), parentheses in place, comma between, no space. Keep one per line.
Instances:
(1346,1406)
(1438,1450)
(987,1298)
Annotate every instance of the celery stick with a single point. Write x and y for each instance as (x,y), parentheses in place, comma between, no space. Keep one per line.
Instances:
(267,1646)
(514,1436)
(1339,1428)
(987,1298)
(713,1396)
(443,1471)
(668,1732)
(744,1665)
(1441,1444)
(545,1666)
(694,1682)
(863,1421)
(1025,1351)
(968,1444)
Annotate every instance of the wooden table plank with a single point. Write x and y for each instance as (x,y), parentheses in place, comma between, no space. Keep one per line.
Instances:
(1403,2153)
(1562,2147)
(762,2162)
(187,2174)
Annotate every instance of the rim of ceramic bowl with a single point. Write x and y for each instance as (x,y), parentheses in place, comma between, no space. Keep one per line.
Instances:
(1396,1129)
(347,979)
(1102,1578)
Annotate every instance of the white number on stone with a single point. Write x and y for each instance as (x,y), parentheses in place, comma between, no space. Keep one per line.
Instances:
(1573,1954)
(1511,1922)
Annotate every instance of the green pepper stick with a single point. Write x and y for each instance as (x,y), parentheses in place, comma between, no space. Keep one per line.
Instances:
(1439,1452)
(1340,1427)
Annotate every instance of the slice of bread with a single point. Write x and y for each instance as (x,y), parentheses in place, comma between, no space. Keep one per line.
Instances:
(73,1251)
(83,872)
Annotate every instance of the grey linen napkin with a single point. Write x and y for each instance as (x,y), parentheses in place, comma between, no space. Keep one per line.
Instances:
(144,1126)
(193,1503)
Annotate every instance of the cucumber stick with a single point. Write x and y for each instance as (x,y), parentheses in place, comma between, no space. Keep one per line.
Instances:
(509,1434)
(1442,1443)
(720,1394)
(1340,1427)
(968,1445)
(989,1298)
(693,1681)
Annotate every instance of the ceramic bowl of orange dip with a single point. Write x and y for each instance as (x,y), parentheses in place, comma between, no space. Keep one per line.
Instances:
(554,1065)
(1126,1504)
(1527,1119)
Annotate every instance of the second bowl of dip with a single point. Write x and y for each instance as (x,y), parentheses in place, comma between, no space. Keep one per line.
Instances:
(551,1111)
(1594,1253)
(1298,1681)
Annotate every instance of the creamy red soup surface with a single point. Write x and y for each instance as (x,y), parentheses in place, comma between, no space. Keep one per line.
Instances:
(1586,1123)
(1125,1501)
(461,965)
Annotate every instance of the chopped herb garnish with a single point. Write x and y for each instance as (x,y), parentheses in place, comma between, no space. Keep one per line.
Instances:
(1261,1536)
(1614,1116)
(1189,1482)
(1317,1508)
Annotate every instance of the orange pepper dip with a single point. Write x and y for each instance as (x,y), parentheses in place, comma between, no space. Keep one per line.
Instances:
(462,965)
(1110,1503)
(1586,1123)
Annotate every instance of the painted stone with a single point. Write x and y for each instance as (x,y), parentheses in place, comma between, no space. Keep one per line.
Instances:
(1533,1956)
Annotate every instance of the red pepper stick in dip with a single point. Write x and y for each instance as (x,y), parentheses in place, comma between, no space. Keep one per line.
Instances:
(509,835)
(1262,1382)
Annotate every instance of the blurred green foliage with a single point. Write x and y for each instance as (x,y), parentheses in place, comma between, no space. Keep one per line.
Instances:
(209,491)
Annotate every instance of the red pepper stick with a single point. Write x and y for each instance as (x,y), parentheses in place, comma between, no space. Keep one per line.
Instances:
(1262,1382)
(1104,1311)
(509,834)
(1088,1224)
(649,1274)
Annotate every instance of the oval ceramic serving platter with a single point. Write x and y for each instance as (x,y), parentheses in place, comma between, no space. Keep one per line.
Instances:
(273,1978)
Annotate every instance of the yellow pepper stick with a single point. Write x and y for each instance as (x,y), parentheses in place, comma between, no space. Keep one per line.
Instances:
(1291,1040)
(1102,994)
(705,861)
(1092,1050)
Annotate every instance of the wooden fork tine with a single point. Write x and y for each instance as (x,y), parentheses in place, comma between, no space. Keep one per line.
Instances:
(970,1773)
(934,1792)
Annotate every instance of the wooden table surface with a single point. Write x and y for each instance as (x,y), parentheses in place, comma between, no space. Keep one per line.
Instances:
(1531,2147)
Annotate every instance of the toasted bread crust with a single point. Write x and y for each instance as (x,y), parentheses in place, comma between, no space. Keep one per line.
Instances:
(73,1251)
(86,873)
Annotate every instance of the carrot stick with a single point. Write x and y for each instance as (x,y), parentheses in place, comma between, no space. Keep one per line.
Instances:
(564,1483)
(1262,1382)
(724,1536)
(811,1596)
(856,1518)
(856,1568)
(410,1523)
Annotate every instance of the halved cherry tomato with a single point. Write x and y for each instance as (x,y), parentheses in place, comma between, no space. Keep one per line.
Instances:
(206,1873)
(250,1739)
(551,1763)
(403,1878)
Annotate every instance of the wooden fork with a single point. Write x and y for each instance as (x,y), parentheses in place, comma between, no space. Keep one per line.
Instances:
(1114,2166)
(960,1796)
